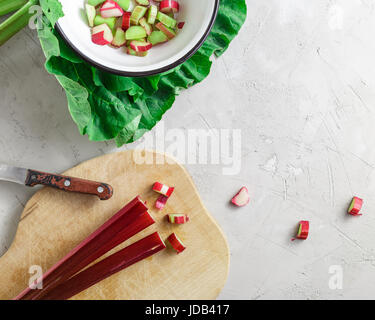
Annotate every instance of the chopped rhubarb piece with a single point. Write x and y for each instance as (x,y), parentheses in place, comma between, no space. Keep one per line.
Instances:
(169,6)
(119,38)
(178,218)
(129,221)
(241,198)
(157,37)
(95,2)
(135,33)
(143,2)
(355,206)
(303,230)
(105,268)
(137,14)
(111,9)
(181,25)
(167,20)
(111,22)
(169,32)
(124,4)
(135,53)
(90,13)
(176,243)
(102,35)
(125,25)
(143,23)
(161,202)
(163,189)
(152,13)
(140,46)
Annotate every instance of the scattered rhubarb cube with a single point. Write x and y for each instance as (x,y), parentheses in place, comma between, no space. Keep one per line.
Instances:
(303,230)
(242,198)
(163,189)
(178,218)
(355,206)
(176,243)
(161,202)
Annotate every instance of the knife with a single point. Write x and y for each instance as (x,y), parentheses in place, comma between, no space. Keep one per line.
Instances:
(32,178)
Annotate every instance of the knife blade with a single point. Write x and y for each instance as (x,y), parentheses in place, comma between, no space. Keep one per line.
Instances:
(13,174)
(32,178)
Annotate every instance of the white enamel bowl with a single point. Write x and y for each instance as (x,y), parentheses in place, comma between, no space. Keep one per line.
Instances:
(198,15)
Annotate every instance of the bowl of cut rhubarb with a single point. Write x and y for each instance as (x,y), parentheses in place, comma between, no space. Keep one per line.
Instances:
(136,38)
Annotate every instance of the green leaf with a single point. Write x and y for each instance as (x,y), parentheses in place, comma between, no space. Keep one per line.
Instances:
(116,83)
(106,106)
(52,10)
(126,135)
(79,106)
(48,41)
(109,115)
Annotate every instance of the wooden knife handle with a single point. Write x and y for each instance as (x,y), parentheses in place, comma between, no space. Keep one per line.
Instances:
(102,190)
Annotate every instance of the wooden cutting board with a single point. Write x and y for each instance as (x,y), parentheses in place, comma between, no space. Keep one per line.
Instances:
(53,222)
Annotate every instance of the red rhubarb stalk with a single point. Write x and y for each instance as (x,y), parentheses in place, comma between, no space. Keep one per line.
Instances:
(114,263)
(129,221)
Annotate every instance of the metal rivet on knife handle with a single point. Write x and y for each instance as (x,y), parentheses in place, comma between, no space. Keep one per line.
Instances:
(100,189)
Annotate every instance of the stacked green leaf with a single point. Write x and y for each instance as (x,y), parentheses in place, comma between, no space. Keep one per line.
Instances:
(106,106)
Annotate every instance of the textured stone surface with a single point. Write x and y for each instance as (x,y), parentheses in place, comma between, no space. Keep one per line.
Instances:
(299,83)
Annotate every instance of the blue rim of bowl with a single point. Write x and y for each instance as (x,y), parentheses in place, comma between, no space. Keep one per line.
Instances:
(143,73)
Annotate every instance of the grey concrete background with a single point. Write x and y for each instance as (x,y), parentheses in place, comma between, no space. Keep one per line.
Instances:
(299,82)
